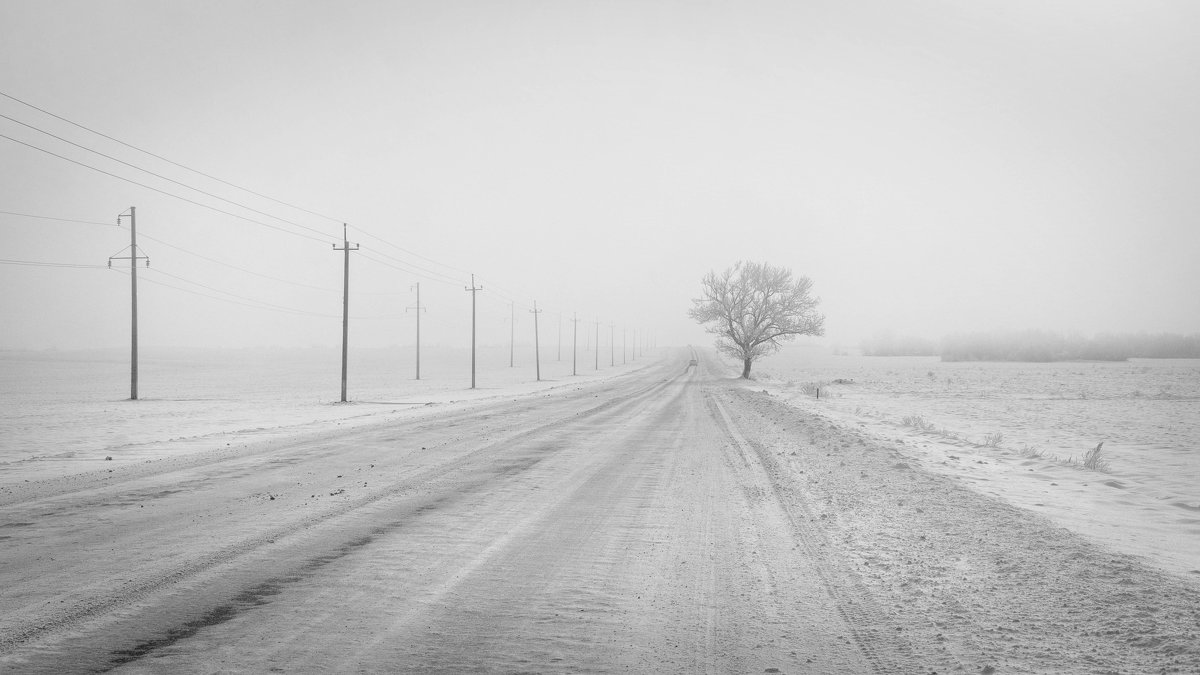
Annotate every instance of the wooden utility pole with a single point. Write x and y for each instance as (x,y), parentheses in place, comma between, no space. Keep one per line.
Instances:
(612,344)
(537,354)
(473,289)
(133,352)
(597,344)
(133,257)
(574,343)
(346,248)
(418,310)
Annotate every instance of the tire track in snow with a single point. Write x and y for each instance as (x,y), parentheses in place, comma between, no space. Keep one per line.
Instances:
(873,634)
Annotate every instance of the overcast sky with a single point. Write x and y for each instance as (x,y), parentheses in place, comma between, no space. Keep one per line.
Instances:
(932,166)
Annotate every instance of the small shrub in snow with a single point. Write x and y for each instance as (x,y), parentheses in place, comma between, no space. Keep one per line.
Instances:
(1032,451)
(1094,459)
(917,422)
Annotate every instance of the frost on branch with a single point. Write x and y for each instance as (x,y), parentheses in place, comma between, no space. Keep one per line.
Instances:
(753,308)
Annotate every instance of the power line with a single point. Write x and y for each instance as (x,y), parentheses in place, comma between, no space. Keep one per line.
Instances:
(242,269)
(249,302)
(428,273)
(164,192)
(412,253)
(408,267)
(189,252)
(168,161)
(377,261)
(158,175)
(38,263)
(65,220)
(264,305)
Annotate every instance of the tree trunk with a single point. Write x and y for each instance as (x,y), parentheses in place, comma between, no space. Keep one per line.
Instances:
(746,369)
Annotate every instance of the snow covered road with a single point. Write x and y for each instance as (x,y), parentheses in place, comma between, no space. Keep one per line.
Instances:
(665,521)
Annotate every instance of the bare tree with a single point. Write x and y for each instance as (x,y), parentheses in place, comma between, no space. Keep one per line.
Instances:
(753,307)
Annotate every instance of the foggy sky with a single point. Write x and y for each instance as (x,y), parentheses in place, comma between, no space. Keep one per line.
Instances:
(933,166)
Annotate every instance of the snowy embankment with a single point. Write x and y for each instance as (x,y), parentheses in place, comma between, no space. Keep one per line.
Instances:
(1020,432)
(69,412)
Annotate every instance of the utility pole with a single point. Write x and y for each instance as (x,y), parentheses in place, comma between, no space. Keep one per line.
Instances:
(574,343)
(612,344)
(345,303)
(133,257)
(473,290)
(418,310)
(597,344)
(537,354)
(512,330)
(633,355)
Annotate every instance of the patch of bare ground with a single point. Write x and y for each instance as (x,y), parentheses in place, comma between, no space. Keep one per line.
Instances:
(971,583)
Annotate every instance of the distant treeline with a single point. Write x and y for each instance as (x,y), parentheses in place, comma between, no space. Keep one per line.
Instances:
(899,345)
(1040,346)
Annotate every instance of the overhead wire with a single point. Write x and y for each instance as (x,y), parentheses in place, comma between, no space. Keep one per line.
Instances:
(39,263)
(199,255)
(235,267)
(410,268)
(239,299)
(439,275)
(423,271)
(65,220)
(412,253)
(401,265)
(164,192)
(160,176)
(168,161)
(233,297)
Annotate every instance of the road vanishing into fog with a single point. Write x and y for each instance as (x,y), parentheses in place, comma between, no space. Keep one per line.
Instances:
(661,521)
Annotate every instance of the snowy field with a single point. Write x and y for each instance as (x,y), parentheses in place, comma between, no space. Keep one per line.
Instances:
(64,412)
(1021,430)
